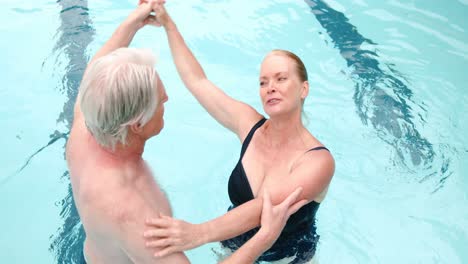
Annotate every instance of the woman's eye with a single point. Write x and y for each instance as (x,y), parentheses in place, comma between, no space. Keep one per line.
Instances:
(262,83)
(282,79)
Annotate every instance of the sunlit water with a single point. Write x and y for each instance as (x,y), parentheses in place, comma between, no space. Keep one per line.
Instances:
(388,98)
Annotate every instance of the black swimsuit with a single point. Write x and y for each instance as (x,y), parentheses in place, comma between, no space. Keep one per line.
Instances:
(298,238)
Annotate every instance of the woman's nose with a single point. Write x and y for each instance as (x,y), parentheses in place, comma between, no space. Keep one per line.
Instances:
(271,87)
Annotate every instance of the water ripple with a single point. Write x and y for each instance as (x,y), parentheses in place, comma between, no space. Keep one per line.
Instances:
(383,96)
(26,10)
(73,36)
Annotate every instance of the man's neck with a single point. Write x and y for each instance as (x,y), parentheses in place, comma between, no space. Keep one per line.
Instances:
(132,150)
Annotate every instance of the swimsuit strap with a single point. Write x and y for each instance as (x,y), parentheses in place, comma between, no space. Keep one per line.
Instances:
(250,135)
(318,148)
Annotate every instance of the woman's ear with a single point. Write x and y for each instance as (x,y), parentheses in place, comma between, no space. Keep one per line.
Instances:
(305,90)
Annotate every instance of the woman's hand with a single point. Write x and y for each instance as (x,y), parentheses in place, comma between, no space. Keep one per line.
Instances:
(168,235)
(274,218)
(142,15)
(160,17)
(161,14)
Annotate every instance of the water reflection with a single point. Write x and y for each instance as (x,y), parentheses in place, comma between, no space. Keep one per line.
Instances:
(74,35)
(382,96)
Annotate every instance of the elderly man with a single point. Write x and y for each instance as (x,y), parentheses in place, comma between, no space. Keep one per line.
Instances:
(120,106)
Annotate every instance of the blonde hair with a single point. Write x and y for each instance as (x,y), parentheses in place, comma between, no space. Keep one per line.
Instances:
(117,91)
(300,67)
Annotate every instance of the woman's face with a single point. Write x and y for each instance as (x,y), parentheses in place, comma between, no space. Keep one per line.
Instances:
(281,90)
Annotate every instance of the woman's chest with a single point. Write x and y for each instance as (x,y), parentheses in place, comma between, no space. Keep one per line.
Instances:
(265,167)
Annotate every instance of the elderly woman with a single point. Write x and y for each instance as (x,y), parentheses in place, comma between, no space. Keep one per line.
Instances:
(278,154)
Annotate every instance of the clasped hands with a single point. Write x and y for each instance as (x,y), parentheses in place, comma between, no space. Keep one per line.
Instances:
(150,12)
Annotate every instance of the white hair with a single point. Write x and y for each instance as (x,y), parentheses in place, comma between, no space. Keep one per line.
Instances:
(117,91)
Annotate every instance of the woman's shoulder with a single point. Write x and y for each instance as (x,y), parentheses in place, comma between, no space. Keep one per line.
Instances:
(317,159)
(320,159)
(248,124)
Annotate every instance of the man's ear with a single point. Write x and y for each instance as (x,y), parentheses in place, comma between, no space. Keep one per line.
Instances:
(136,128)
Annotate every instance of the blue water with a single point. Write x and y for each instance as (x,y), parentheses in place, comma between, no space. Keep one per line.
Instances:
(388,97)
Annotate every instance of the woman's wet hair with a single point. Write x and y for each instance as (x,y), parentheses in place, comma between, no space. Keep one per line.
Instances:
(300,67)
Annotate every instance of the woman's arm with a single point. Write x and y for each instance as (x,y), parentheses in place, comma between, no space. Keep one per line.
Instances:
(234,115)
(274,219)
(313,174)
(171,235)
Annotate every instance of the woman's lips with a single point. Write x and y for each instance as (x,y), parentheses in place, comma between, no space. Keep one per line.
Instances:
(272,101)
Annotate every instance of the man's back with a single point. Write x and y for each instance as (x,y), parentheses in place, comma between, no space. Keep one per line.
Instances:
(114,195)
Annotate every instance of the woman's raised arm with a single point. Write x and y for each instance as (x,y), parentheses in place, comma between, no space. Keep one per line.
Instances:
(234,115)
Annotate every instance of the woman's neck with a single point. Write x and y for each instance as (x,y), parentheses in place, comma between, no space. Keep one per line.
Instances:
(284,131)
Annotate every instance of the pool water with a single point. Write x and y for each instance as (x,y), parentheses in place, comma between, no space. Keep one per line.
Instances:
(388,97)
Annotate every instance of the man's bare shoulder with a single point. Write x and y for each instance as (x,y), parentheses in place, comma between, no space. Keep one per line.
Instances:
(121,195)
